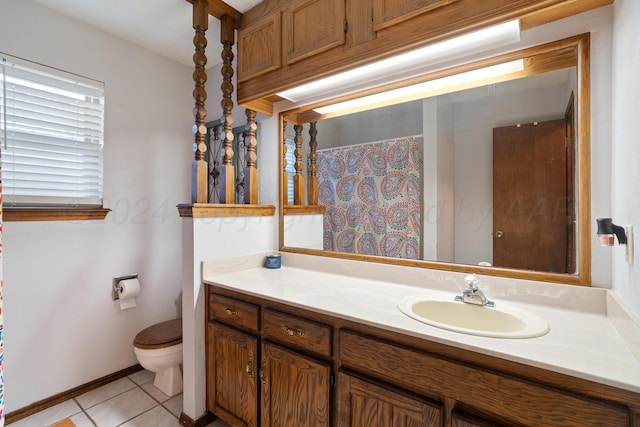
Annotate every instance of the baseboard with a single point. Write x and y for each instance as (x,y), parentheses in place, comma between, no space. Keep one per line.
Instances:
(203,421)
(66,395)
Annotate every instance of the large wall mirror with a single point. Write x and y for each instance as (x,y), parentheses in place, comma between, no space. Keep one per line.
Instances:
(489,175)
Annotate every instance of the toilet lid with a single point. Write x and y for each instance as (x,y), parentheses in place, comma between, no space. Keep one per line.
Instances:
(160,335)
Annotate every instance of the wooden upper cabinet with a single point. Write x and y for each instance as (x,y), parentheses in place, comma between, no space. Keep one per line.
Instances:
(284,43)
(390,12)
(259,47)
(313,26)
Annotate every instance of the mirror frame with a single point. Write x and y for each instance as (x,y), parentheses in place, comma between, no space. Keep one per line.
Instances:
(538,59)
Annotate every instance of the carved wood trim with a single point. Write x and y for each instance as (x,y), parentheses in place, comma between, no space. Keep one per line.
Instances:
(298,178)
(199,185)
(227,173)
(312,184)
(206,210)
(10,214)
(251,172)
(285,174)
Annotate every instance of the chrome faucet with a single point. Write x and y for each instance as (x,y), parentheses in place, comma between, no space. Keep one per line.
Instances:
(471,293)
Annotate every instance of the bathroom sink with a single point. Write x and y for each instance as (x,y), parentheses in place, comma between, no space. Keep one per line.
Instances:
(501,321)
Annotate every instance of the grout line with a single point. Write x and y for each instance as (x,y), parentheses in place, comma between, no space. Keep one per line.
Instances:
(85,412)
(141,413)
(159,403)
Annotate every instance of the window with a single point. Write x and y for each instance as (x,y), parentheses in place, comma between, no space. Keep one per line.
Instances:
(51,135)
(290,169)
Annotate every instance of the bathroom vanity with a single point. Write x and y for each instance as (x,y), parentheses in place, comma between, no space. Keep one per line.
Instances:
(301,346)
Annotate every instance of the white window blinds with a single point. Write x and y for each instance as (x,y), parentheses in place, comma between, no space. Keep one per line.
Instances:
(51,135)
(291,171)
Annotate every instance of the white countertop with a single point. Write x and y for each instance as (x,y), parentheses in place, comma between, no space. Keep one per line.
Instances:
(582,340)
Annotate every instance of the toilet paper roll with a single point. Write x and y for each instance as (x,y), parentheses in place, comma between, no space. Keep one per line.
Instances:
(127,291)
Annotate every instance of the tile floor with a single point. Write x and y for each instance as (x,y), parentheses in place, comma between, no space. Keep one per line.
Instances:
(131,401)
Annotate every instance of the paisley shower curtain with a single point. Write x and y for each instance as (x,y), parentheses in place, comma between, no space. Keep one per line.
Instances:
(372,197)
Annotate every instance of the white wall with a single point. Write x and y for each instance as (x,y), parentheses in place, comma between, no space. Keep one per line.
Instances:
(304,231)
(61,327)
(625,147)
(395,121)
(206,239)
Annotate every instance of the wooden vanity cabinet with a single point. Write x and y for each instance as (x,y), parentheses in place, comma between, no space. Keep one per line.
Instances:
(365,404)
(273,364)
(266,367)
(232,360)
(295,388)
(484,394)
(295,385)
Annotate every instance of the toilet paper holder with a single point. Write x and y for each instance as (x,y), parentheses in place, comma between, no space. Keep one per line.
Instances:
(115,286)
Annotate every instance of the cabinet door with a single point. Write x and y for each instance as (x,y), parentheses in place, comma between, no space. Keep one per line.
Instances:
(313,26)
(390,12)
(295,389)
(231,383)
(364,404)
(259,47)
(460,419)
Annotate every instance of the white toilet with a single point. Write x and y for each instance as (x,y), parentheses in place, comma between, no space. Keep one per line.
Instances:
(159,349)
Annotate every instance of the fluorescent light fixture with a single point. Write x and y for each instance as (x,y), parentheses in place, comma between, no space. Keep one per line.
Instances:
(406,65)
(421,90)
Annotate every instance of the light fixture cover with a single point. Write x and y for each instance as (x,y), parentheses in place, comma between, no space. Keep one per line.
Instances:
(459,81)
(405,65)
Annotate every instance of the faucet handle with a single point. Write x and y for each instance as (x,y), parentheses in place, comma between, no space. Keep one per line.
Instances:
(471,281)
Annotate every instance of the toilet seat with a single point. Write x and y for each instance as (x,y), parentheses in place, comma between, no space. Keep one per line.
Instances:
(160,335)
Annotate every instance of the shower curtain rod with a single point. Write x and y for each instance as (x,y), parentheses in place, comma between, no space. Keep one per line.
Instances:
(367,143)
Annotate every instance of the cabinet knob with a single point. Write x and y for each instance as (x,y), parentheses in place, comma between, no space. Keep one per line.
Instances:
(499,234)
(231,312)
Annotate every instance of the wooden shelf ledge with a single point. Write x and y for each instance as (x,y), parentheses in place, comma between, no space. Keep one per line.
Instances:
(15,214)
(210,210)
(303,210)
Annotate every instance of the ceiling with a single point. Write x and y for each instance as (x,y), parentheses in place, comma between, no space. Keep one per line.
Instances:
(162,26)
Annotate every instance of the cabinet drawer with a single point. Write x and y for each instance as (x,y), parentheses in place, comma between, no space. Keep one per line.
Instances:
(234,312)
(297,332)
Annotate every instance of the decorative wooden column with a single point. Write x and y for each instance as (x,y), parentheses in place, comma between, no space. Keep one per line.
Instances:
(285,174)
(215,161)
(227,173)
(298,178)
(312,184)
(199,169)
(251,172)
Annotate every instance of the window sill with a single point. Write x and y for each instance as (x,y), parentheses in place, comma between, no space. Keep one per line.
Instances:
(13,214)
(215,210)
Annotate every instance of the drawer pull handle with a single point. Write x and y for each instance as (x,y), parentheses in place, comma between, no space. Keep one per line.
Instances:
(262,374)
(250,366)
(293,332)
(231,312)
